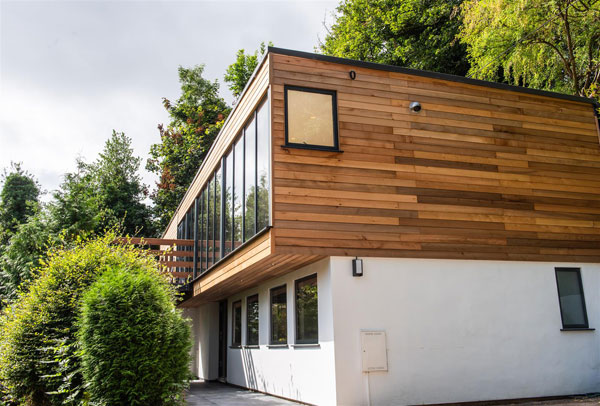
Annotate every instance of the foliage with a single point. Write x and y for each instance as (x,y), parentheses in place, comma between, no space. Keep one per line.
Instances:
(39,364)
(134,343)
(546,44)
(103,194)
(119,188)
(76,208)
(419,34)
(239,72)
(19,192)
(196,118)
(24,252)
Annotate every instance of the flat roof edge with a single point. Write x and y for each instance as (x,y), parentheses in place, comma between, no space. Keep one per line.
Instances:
(432,75)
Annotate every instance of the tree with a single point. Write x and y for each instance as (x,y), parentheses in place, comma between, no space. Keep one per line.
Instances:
(20,192)
(119,188)
(196,118)
(418,34)
(545,44)
(135,346)
(40,362)
(103,194)
(24,253)
(239,72)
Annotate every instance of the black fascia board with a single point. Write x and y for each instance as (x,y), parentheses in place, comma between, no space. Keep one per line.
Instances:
(428,74)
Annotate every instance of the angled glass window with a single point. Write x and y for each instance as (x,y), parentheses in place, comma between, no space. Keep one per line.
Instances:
(263,162)
(250,179)
(217,225)
(236,318)
(311,118)
(238,192)
(252,320)
(279,315)
(210,196)
(307,311)
(571,299)
(228,196)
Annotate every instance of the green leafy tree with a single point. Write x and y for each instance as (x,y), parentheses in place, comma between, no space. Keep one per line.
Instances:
(418,34)
(545,44)
(238,73)
(119,188)
(135,346)
(196,118)
(24,253)
(75,209)
(103,194)
(20,192)
(39,360)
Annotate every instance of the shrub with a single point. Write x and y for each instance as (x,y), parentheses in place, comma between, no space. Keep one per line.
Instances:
(135,345)
(39,361)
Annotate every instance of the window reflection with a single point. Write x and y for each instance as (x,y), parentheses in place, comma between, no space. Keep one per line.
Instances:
(307,321)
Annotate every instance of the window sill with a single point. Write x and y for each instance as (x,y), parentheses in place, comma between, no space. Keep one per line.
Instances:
(313,148)
(577,329)
(275,346)
(235,347)
(315,345)
(251,346)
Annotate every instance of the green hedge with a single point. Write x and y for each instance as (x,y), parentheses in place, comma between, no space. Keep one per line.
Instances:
(40,360)
(135,345)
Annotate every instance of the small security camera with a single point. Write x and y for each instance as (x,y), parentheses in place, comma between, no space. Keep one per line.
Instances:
(415,107)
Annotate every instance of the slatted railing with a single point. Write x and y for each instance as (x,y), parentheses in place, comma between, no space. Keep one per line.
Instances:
(176,257)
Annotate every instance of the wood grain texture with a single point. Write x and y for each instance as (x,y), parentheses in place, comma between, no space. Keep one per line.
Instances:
(479,173)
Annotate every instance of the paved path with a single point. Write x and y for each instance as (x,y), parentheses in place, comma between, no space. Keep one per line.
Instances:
(219,394)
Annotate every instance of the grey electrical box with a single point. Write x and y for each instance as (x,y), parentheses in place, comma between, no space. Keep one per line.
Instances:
(374,351)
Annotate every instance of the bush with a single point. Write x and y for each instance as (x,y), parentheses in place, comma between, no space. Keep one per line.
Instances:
(39,360)
(135,345)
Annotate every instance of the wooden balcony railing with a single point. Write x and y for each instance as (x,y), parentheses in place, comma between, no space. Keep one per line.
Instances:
(176,257)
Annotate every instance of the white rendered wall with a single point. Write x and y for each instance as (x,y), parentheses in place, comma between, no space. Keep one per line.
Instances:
(461,331)
(306,374)
(205,338)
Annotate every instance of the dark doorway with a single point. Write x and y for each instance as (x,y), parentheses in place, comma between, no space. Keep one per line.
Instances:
(223,340)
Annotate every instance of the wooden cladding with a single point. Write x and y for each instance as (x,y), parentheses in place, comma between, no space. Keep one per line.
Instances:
(479,172)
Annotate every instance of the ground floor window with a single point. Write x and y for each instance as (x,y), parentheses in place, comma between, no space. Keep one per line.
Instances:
(571,299)
(236,316)
(252,320)
(279,315)
(307,320)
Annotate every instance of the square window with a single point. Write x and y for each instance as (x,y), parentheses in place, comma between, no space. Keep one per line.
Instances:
(236,317)
(252,320)
(311,118)
(571,299)
(307,311)
(279,315)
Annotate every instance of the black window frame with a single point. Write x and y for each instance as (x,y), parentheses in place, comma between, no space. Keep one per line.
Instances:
(333,94)
(207,259)
(296,324)
(233,308)
(577,271)
(271,342)
(248,299)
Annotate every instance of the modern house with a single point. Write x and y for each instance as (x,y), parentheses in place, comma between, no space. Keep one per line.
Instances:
(369,234)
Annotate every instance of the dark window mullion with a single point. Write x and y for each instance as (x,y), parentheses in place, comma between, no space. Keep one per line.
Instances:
(207,205)
(201,221)
(243,140)
(214,217)
(255,173)
(222,216)
(196,237)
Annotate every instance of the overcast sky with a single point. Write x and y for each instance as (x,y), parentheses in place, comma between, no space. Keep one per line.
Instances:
(71,72)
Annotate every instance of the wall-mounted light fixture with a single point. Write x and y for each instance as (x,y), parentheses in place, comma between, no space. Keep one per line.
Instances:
(357,267)
(415,107)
